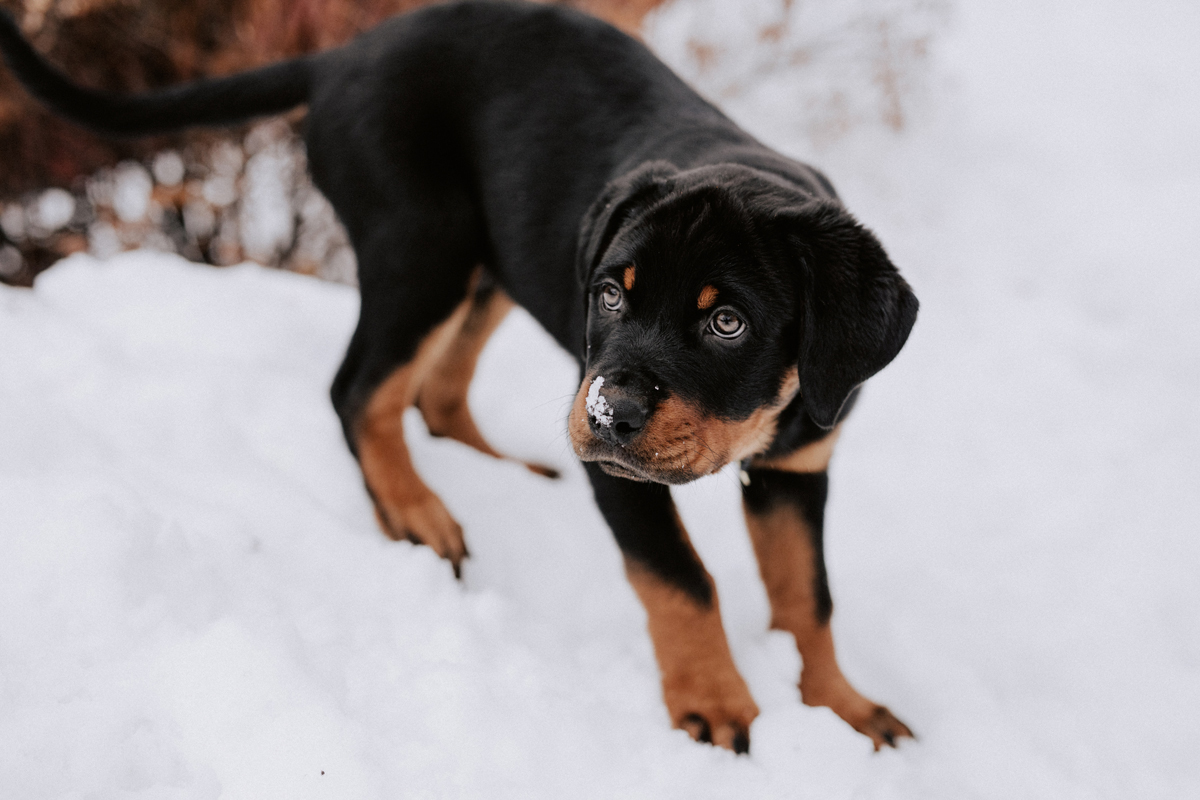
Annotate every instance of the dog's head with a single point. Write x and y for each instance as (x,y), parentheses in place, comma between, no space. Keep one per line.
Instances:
(715,298)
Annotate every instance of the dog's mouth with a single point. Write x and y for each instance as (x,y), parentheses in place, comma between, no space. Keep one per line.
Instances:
(669,444)
(674,442)
(619,470)
(638,470)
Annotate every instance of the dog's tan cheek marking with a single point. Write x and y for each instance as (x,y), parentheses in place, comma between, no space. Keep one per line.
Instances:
(668,439)
(756,433)
(405,506)
(789,388)
(736,440)
(682,439)
(682,436)
(702,689)
(629,277)
(707,298)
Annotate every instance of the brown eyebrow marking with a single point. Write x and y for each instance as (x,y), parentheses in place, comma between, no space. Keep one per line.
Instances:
(630,274)
(708,296)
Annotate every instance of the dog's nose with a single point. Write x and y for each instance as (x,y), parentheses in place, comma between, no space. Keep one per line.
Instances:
(628,418)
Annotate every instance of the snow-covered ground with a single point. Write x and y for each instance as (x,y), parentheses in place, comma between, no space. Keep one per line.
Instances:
(195,601)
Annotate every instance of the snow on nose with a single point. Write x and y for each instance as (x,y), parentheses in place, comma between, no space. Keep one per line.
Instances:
(597,407)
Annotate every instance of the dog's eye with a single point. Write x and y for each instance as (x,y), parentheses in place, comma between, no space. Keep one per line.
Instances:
(610,297)
(727,324)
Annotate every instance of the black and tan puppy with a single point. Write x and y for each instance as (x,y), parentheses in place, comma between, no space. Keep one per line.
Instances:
(723,306)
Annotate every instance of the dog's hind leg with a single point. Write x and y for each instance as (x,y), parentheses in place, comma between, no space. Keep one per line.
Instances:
(443,395)
(784,502)
(415,282)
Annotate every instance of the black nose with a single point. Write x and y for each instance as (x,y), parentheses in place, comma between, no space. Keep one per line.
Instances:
(628,418)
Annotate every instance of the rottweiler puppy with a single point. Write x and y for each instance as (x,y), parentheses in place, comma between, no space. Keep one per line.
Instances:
(722,304)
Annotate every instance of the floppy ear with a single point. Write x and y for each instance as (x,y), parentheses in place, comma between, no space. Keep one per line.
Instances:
(856,310)
(619,198)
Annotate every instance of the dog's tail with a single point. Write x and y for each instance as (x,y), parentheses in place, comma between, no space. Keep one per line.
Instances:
(215,101)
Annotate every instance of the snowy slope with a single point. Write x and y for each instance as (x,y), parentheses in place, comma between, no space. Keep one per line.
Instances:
(195,601)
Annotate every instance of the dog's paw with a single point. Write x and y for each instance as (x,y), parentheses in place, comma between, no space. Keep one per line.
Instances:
(732,735)
(882,727)
(714,712)
(427,522)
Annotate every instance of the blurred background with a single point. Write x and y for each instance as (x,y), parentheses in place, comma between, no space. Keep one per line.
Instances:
(227,196)
(219,197)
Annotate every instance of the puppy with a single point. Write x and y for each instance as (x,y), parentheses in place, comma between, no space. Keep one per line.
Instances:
(722,304)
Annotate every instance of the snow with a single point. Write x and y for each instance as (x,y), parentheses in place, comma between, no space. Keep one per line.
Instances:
(195,601)
(53,209)
(168,168)
(132,186)
(12,221)
(266,216)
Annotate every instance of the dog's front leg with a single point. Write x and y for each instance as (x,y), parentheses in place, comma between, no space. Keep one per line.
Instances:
(785,513)
(703,691)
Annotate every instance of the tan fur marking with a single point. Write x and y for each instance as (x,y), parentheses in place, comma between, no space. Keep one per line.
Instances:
(714,442)
(442,399)
(404,504)
(787,563)
(698,673)
(629,277)
(681,443)
(443,395)
(813,457)
(707,298)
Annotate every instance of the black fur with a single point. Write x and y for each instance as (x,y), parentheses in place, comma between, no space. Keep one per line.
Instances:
(485,132)
(642,517)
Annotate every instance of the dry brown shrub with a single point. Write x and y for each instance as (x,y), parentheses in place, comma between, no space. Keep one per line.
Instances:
(164,42)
